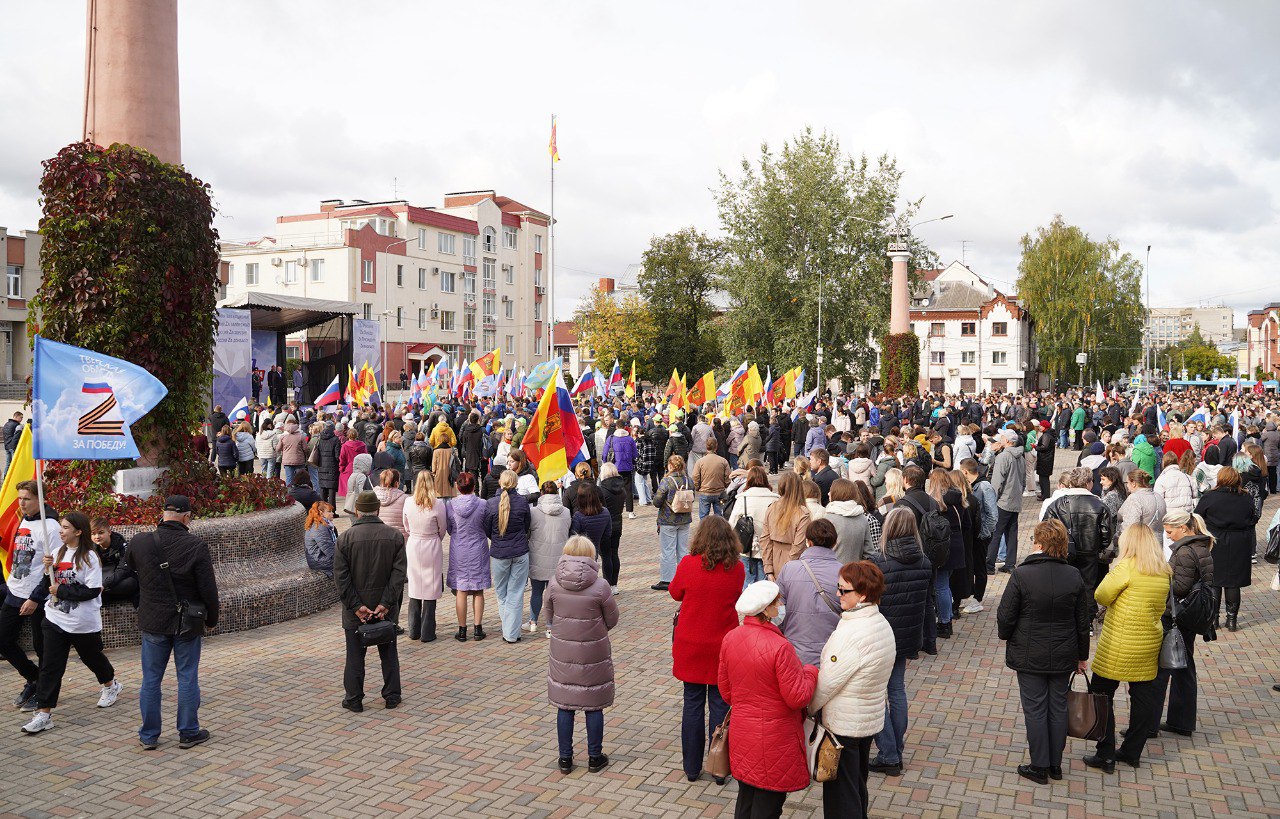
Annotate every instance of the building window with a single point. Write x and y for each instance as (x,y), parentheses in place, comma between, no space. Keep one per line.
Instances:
(537,345)
(509,238)
(999,385)
(509,309)
(937,330)
(490,273)
(448,281)
(422,318)
(422,278)
(490,340)
(999,328)
(490,240)
(968,357)
(469,283)
(537,243)
(999,357)
(14,278)
(968,385)
(367,274)
(937,357)
(251,275)
(490,308)
(968,328)
(399,316)
(537,277)
(445,243)
(422,238)
(510,346)
(399,275)
(509,274)
(368,311)
(937,384)
(468,250)
(317,269)
(290,272)
(446,320)
(537,311)
(469,324)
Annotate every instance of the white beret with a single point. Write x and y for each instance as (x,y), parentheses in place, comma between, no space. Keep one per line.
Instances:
(757,597)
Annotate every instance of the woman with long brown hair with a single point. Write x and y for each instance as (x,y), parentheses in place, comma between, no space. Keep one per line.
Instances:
(782,535)
(938,486)
(707,584)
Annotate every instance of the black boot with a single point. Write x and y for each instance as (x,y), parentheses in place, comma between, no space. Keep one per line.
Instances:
(944,631)
(1231,621)
(428,621)
(415,618)
(478,633)
(461,636)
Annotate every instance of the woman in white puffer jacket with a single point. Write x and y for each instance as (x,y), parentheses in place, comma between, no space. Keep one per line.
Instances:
(857,661)
(1177,488)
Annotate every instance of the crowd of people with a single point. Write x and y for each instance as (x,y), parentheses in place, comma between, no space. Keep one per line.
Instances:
(815,553)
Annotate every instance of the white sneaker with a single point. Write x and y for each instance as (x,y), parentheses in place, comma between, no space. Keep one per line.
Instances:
(529,628)
(42,721)
(1275,582)
(547,631)
(110,694)
(631,515)
(973,607)
(614,589)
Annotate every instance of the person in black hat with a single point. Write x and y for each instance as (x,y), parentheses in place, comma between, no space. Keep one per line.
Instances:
(172,565)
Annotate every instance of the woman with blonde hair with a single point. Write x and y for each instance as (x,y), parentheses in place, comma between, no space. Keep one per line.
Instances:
(801,467)
(506,523)
(894,489)
(673,526)
(424,520)
(1192,562)
(1135,592)
(782,535)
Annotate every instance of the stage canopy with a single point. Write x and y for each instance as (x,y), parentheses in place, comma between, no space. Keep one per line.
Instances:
(289,314)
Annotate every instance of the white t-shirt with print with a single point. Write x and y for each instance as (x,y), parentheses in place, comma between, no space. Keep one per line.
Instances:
(29,549)
(76,616)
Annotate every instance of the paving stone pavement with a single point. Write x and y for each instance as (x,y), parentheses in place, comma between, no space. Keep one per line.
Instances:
(476,736)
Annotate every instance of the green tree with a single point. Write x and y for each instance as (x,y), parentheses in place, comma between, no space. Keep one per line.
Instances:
(1197,356)
(1083,296)
(616,327)
(811,220)
(680,275)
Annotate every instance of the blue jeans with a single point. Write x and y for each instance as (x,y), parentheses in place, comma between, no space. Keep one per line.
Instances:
(509,576)
(595,732)
(290,471)
(675,545)
(709,504)
(156,649)
(1004,550)
(1064,439)
(315,477)
(643,493)
(536,588)
(755,570)
(890,740)
(942,588)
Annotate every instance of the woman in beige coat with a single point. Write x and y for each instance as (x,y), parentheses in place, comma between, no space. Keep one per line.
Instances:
(782,536)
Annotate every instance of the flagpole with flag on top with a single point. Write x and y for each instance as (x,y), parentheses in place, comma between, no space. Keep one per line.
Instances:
(554,150)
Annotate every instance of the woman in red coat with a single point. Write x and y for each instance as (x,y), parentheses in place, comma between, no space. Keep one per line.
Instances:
(762,677)
(707,583)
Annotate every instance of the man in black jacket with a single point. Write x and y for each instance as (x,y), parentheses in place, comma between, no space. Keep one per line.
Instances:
(369,569)
(172,565)
(823,474)
(1088,523)
(12,432)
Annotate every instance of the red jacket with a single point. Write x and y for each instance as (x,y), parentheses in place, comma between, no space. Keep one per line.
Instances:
(706,600)
(1177,445)
(768,687)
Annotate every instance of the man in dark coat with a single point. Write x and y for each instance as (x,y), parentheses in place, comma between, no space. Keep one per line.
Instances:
(327,471)
(823,474)
(172,565)
(471,442)
(256,385)
(369,569)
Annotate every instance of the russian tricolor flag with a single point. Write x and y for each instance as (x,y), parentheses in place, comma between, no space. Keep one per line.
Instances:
(96,389)
(586,381)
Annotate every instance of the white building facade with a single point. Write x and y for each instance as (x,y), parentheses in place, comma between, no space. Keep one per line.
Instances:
(973,338)
(458,280)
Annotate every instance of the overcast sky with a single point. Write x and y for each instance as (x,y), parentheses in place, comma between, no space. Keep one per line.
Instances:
(1155,122)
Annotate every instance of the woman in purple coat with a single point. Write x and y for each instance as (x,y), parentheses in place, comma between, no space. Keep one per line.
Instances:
(621,451)
(468,573)
(580,676)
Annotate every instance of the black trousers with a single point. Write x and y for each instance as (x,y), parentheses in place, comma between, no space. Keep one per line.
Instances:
(979,565)
(330,495)
(10,629)
(704,710)
(353,673)
(53,664)
(758,803)
(1044,486)
(1044,709)
(610,563)
(1144,719)
(1180,684)
(629,479)
(1006,525)
(655,477)
(1087,563)
(775,462)
(847,795)
(1079,434)
(1271,479)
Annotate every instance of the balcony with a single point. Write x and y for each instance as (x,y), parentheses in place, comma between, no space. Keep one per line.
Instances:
(490,320)
(469,306)
(469,299)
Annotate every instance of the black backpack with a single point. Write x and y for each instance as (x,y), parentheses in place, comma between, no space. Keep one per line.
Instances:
(935,534)
(745,529)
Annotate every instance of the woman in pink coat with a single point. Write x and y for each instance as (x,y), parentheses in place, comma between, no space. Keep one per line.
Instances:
(424,520)
(351,447)
(767,688)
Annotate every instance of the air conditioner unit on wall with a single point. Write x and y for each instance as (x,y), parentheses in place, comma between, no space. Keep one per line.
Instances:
(302,261)
(435,271)
(276,261)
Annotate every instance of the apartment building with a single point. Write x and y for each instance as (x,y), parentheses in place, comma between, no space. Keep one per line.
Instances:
(21,253)
(1262,344)
(1170,325)
(456,280)
(973,338)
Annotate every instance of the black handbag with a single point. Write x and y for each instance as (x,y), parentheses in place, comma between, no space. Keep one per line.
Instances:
(376,632)
(191,614)
(1272,554)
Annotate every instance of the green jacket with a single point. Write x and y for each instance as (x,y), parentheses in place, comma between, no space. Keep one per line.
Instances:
(1078,417)
(1144,455)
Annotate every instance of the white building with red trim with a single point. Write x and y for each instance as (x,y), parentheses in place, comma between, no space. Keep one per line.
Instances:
(973,338)
(458,280)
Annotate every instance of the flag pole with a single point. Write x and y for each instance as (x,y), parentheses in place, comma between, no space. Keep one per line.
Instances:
(39,464)
(551,249)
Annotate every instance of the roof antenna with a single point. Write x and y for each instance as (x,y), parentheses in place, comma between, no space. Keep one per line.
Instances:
(964,248)
(395,188)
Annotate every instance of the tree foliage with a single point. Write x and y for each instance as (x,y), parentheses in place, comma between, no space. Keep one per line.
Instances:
(680,277)
(900,364)
(617,326)
(130,265)
(1197,356)
(805,220)
(1083,295)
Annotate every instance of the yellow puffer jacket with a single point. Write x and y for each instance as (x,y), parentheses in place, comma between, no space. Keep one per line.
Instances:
(1129,648)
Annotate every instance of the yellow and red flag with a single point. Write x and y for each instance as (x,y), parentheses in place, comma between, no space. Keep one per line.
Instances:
(702,391)
(752,387)
(353,387)
(486,365)
(551,146)
(368,383)
(630,390)
(22,467)
(673,386)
